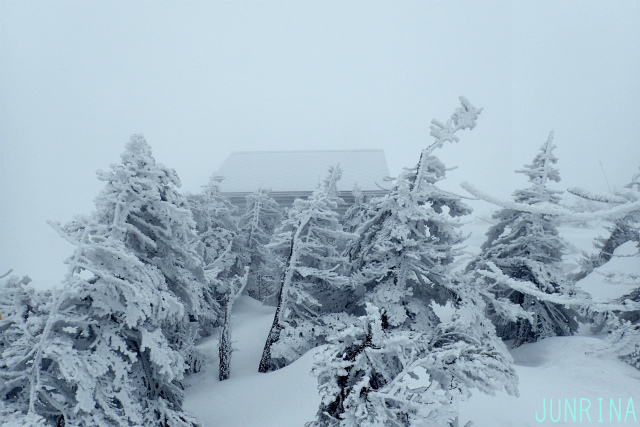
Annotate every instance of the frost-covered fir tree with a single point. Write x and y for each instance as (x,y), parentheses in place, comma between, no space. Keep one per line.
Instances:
(404,253)
(621,317)
(372,376)
(258,225)
(22,321)
(103,358)
(624,229)
(141,200)
(623,324)
(403,365)
(219,243)
(526,248)
(313,279)
(356,213)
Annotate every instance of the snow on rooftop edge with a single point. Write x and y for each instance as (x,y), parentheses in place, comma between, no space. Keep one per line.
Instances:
(302,170)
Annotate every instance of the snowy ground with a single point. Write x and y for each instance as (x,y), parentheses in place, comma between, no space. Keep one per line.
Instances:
(556,368)
(283,398)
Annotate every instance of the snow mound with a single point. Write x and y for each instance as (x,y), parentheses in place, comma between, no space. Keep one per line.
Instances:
(284,398)
(555,368)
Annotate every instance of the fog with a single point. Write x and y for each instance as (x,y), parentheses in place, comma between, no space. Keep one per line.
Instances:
(203,79)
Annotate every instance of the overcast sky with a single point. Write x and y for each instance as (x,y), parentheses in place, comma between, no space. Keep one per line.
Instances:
(203,79)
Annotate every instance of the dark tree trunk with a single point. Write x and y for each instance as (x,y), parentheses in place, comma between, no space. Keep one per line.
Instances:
(266,364)
(274,335)
(224,347)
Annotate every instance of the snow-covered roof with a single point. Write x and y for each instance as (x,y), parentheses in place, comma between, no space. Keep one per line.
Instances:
(302,170)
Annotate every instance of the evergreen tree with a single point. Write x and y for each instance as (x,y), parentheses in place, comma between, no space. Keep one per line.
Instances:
(403,256)
(258,225)
(526,247)
(621,317)
(219,244)
(141,200)
(403,365)
(372,376)
(115,340)
(113,343)
(624,229)
(356,213)
(106,341)
(313,281)
(95,352)
(21,325)
(623,325)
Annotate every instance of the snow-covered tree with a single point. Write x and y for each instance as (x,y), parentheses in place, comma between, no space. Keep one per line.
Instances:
(313,281)
(104,341)
(356,213)
(258,225)
(372,376)
(141,200)
(526,247)
(22,321)
(621,317)
(403,257)
(405,366)
(116,341)
(624,228)
(220,239)
(219,243)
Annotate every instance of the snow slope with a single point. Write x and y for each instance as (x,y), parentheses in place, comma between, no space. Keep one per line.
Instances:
(555,368)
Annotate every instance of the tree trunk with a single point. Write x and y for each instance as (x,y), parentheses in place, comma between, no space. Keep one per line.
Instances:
(274,334)
(287,275)
(276,327)
(224,347)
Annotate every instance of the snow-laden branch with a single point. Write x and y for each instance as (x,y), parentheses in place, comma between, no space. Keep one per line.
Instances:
(554,210)
(464,117)
(529,288)
(603,198)
(600,306)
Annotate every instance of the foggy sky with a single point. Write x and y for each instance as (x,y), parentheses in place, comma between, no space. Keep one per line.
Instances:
(203,79)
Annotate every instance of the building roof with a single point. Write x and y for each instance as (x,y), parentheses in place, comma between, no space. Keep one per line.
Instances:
(302,170)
